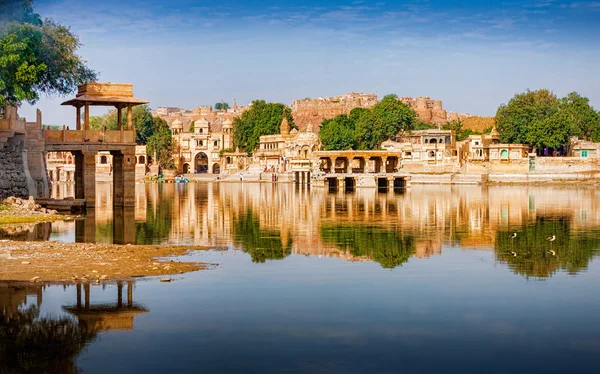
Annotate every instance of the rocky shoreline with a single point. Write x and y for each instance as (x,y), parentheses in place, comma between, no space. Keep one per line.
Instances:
(82,262)
(14,210)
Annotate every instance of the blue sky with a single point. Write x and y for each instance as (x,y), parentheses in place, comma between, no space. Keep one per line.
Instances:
(472,55)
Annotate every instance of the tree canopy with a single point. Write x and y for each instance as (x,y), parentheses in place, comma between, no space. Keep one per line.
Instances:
(142,120)
(261,119)
(367,128)
(161,142)
(542,119)
(221,106)
(36,57)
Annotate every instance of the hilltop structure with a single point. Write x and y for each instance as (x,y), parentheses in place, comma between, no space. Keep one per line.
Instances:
(314,111)
(431,111)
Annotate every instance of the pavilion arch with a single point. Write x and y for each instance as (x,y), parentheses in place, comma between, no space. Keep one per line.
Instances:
(216,168)
(186,168)
(201,163)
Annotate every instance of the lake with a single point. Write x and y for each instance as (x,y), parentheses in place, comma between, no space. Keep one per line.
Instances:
(301,280)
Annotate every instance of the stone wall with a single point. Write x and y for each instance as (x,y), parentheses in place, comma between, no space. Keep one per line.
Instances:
(314,111)
(13,180)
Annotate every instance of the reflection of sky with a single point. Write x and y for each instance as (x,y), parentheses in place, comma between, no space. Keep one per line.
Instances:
(473,55)
(458,311)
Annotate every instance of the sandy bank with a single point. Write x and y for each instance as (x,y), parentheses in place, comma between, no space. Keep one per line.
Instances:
(60,262)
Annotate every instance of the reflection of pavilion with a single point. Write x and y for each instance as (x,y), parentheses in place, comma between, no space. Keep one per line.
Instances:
(13,296)
(106,316)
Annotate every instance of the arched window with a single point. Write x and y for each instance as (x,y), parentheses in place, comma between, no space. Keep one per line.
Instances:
(103,159)
(142,160)
(504,153)
(432,154)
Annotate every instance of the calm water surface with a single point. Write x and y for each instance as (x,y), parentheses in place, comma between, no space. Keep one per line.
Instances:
(427,280)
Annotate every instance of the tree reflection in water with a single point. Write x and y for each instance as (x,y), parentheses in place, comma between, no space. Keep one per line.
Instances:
(389,248)
(262,245)
(30,344)
(532,255)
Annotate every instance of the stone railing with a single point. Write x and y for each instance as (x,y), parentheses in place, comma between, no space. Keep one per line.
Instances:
(89,136)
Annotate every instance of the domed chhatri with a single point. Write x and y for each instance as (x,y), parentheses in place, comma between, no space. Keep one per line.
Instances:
(177,124)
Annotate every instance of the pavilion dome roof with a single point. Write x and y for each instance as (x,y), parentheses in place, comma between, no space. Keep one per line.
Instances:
(202,122)
(227,123)
(177,124)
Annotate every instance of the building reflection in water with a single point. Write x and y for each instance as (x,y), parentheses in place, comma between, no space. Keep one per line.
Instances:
(271,221)
(106,316)
(34,342)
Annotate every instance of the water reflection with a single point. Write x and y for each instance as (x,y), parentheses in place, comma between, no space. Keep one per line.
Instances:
(31,341)
(272,221)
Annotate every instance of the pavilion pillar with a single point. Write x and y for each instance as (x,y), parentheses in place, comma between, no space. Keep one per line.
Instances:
(86,120)
(333,160)
(119,118)
(78,119)
(129,118)
(383,164)
(79,180)
(89,178)
(341,183)
(124,178)
(349,166)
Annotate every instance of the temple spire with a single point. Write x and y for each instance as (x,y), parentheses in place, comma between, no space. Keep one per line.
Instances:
(284,129)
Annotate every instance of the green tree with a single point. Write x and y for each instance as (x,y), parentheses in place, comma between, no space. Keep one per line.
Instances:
(338,134)
(141,117)
(46,47)
(261,119)
(585,121)
(161,142)
(369,127)
(20,69)
(221,106)
(460,131)
(515,119)
(552,132)
(391,117)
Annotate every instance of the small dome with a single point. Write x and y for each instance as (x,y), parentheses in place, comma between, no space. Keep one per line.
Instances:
(177,124)
(202,122)
(227,123)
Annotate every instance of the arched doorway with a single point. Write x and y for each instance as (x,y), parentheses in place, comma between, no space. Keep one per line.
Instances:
(216,169)
(186,168)
(201,163)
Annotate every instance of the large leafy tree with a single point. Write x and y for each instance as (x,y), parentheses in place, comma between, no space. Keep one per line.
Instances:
(367,128)
(391,117)
(36,57)
(338,133)
(261,119)
(543,120)
(514,119)
(161,143)
(581,116)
